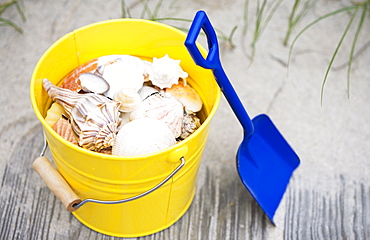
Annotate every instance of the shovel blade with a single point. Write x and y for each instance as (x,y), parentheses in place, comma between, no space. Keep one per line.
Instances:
(265,163)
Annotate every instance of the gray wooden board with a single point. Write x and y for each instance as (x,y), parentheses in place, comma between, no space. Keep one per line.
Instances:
(328,196)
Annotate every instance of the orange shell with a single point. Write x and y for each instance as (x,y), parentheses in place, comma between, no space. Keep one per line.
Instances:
(64,129)
(71,80)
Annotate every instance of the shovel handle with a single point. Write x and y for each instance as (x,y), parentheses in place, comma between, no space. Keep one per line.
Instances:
(212,61)
(56,183)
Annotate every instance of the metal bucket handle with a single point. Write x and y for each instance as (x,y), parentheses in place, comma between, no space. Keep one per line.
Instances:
(61,189)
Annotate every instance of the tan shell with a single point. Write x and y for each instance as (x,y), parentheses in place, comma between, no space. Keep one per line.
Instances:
(54,113)
(129,99)
(64,129)
(168,110)
(143,136)
(94,118)
(186,95)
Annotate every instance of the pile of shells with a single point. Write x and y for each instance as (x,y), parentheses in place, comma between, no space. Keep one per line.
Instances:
(123,105)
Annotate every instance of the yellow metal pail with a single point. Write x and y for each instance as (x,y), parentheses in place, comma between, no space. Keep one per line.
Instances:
(108,177)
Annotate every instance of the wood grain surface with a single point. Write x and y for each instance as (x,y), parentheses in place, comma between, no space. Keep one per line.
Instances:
(328,196)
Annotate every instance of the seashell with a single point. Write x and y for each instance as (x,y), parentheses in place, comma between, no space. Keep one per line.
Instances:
(124,72)
(129,99)
(93,83)
(94,65)
(64,129)
(54,113)
(146,91)
(190,123)
(106,151)
(166,72)
(143,136)
(186,95)
(168,110)
(94,118)
(148,70)
(71,80)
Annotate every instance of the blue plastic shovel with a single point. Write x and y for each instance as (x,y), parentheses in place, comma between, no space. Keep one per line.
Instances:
(265,161)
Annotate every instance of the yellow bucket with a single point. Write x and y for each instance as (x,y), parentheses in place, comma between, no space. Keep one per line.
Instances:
(107,177)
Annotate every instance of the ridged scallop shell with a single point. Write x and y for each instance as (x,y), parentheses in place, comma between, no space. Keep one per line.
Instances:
(129,99)
(124,72)
(190,123)
(54,113)
(94,118)
(186,95)
(168,110)
(143,136)
(166,72)
(64,129)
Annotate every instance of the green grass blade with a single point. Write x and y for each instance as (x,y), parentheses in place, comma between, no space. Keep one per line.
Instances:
(358,30)
(11,24)
(345,9)
(156,9)
(245,17)
(19,9)
(335,53)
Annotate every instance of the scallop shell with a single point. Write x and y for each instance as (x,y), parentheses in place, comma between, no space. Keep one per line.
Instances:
(186,95)
(71,80)
(168,110)
(54,113)
(64,129)
(190,123)
(129,99)
(124,72)
(166,72)
(94,118)
(143,136)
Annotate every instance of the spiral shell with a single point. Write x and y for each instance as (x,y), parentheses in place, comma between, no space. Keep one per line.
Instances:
(94,118)
(190,123)
(143,136)
(168,110)
(129,99)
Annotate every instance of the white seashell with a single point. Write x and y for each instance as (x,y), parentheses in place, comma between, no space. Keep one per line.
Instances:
(168,110)
(129,99)
(146,91)
(166,72)
(93,83)
(142,136)
(186,95)
(94,118)
(124,72)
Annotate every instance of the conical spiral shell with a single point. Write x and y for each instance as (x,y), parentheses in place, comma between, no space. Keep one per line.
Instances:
(94,118)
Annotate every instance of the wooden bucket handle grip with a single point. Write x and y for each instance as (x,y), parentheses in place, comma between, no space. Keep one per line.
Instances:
(56,183)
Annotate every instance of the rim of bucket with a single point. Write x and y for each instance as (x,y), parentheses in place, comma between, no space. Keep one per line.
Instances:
(207,120)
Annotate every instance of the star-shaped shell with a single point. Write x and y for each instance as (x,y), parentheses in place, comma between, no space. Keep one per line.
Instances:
(166,72)
(94,118)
